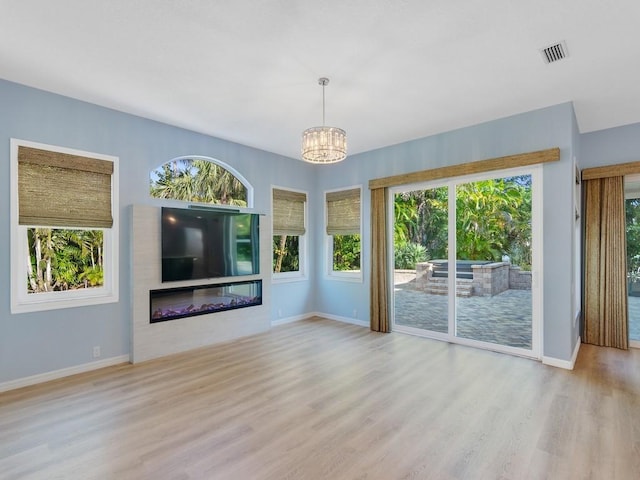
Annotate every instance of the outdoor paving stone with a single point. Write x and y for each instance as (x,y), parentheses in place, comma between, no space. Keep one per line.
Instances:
(503,319)
(634,318)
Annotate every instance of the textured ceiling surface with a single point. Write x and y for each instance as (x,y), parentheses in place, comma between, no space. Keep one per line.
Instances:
(247,70)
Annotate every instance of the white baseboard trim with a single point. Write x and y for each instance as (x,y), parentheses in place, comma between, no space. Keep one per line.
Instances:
(295,318)
(64,372)
(304,316)
(566,364)
(337,318)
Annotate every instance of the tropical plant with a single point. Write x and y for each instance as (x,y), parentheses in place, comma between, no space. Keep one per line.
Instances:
(286,257)
(493,217)
(407,255)
(63,259)
(405,214)
(92,276)
(346,252)
(632,213)
(420,218)
(197,180)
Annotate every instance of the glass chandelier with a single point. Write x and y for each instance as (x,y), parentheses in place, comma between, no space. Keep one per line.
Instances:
(324,144)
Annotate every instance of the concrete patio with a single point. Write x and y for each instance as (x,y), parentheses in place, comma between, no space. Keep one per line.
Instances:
(503,319)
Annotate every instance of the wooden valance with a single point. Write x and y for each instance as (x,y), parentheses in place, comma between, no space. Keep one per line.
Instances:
(619,170)
(500,163)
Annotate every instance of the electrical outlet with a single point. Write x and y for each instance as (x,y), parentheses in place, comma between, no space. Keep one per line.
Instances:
(279,313)
(96,352)
(355,313)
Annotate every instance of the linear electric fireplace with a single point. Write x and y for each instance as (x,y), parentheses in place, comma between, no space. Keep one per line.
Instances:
(173,303)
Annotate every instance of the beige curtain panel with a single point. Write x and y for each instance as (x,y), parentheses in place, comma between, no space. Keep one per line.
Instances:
(343,212)
(62,190)
(379,309)
(288,212)
(606,318)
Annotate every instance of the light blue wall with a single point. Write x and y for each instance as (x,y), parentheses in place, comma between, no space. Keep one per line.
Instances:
(34,343)
(537,130)
(577,234)
(611,146)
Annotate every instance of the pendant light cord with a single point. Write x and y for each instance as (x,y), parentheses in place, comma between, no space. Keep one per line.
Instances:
(323,121)
(323,81)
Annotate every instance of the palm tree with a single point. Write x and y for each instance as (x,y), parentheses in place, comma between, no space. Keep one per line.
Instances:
(421,219)
(198,180)
(42,252)
(493,217)
(59,259)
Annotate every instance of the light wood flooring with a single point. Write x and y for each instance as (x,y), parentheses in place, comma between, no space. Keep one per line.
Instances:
(318,399)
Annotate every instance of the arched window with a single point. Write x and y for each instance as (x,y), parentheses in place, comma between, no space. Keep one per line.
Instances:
(200,180)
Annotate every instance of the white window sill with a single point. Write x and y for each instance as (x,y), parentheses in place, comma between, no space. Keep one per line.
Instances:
(38,302)
(354,277)
(288,277)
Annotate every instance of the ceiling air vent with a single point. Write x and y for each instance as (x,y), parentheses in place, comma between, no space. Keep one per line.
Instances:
(554,53)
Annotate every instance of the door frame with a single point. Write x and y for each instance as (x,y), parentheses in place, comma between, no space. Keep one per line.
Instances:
(629,195)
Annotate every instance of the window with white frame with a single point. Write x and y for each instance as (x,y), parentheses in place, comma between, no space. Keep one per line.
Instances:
(343,212)
(63,227)
(289,228)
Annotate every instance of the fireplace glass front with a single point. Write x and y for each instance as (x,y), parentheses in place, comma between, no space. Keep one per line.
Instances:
(173,303)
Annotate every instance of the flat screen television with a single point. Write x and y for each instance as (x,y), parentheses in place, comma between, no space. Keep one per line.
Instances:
(200,244)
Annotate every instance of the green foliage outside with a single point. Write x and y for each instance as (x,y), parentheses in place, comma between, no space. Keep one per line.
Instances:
(632,213)
(421,219)
(346,252)
(408,254)
(286,253)
(197,180)
(64,259)
(493,217)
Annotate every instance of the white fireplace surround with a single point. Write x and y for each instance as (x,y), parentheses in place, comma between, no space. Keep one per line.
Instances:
(153,340)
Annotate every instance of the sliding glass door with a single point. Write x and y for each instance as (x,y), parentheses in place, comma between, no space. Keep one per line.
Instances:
(632,211)
(465,261)
(421,226)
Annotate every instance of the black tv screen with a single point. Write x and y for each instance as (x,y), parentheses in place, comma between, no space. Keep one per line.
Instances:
(199,244)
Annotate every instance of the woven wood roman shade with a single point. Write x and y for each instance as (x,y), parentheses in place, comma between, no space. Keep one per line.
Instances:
(288,212)
(343,212)
(63,190)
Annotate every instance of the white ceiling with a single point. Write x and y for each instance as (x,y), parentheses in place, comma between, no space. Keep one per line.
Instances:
(247,70)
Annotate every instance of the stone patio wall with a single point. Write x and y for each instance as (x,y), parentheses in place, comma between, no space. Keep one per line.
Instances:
(519,279)
(424,272)
(488,280)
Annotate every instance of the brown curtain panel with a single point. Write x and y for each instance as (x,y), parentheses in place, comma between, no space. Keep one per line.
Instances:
(379,275)
(606,320)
